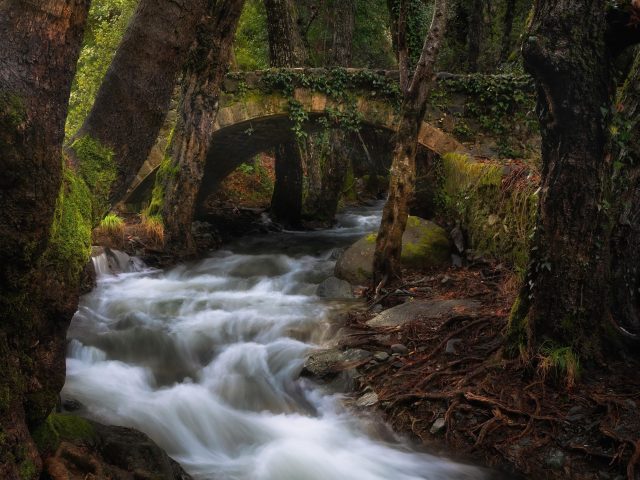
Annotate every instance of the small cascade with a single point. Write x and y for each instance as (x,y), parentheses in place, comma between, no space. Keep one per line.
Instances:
(112,262)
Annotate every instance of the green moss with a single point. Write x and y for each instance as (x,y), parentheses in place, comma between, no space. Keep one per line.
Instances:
(58,427)
(372,237)
(112,223)
(432,246)
(98,169)
(70,239)
(499,221)
(167,170)
(518,328)
(12,110)
(27,470)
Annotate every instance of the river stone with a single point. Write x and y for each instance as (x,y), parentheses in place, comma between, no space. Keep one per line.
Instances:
(422,309)
(438,426)
(381,356)
(326,364)
(367,400)
(424,244)
(333,287)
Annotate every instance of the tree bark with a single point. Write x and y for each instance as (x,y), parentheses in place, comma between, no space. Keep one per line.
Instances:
(40,46)
(507,29)
(386,265)
(135,95)
(476,27)
(203,76)
(563,302)
(286,49)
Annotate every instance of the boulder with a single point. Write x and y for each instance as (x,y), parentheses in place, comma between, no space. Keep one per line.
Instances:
(422,309)
(74,448)
(333,287)
(424,244)
(327,364)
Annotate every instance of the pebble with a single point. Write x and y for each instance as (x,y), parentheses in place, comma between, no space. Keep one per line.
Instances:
(555,459)
(367,400)
(437,426)
(381,356)
(452,346)
(399,348)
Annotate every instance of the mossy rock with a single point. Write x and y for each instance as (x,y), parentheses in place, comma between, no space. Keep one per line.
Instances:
(59,427)
(424,245)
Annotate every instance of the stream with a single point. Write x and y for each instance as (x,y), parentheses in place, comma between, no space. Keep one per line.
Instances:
(205,359)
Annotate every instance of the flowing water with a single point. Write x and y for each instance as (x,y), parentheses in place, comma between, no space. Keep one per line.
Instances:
(205,358)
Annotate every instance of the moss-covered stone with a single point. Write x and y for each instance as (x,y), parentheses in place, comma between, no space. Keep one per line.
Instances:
(498,218)
(424,245)
(166,171)
(58,427)
(97,168)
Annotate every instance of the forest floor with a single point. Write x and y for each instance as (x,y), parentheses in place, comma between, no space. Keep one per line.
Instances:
(455,382)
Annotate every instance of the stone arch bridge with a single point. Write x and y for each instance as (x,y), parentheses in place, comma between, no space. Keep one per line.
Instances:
(259,110)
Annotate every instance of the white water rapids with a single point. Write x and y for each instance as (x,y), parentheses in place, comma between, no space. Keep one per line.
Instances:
(205,359)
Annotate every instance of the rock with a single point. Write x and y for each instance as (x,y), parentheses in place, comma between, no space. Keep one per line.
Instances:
(452,345)
(456,260)
(381,356)
(75,449)
(458,238)
(446,279)
(421,309)
(326,364)
(424,244)
(376,309)
(367,400)
(555,459)
(333,287)
(437,426)
(71,405)
(399,349)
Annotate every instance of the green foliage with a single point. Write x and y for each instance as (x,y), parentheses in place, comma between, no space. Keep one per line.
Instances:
(561,361)
(372,46)
(251,45)
(58,427)
(70,239)
(418,20)
(98,169)
(112,223)
(105,28)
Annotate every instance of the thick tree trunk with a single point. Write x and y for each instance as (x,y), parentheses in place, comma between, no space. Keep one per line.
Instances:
(476,27)
(563,303)
(286,49)
(209,61)
(386,266)
(507,29)
(286,204)
(135,95)
(343,28)
(40,45)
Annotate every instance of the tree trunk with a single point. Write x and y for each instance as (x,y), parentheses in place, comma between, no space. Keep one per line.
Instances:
(40,46)
(386,266)
(343,27)
(135,95)
(286,49)
(507,29)
(203,76)
(476,27)
(563,301)
(286,204)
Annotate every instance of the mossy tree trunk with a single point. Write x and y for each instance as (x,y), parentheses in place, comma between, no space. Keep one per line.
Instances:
(323,205)
(135,95)
(386,265)
(203,76)
(507,29)
(40,46)
(286,49)
(563,305)
(476,28)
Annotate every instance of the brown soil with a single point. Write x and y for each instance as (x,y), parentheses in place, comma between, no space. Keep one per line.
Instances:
(508,415)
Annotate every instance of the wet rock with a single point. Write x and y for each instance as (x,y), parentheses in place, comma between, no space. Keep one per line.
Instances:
(457,236)
(367,400)
(438,426)
(71,405)
(422,309)
(424,244)
(399,348)
(326,364)
(381,356)
(76,449)
(555,459)
(333,287)
(452,346)
(456,261)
